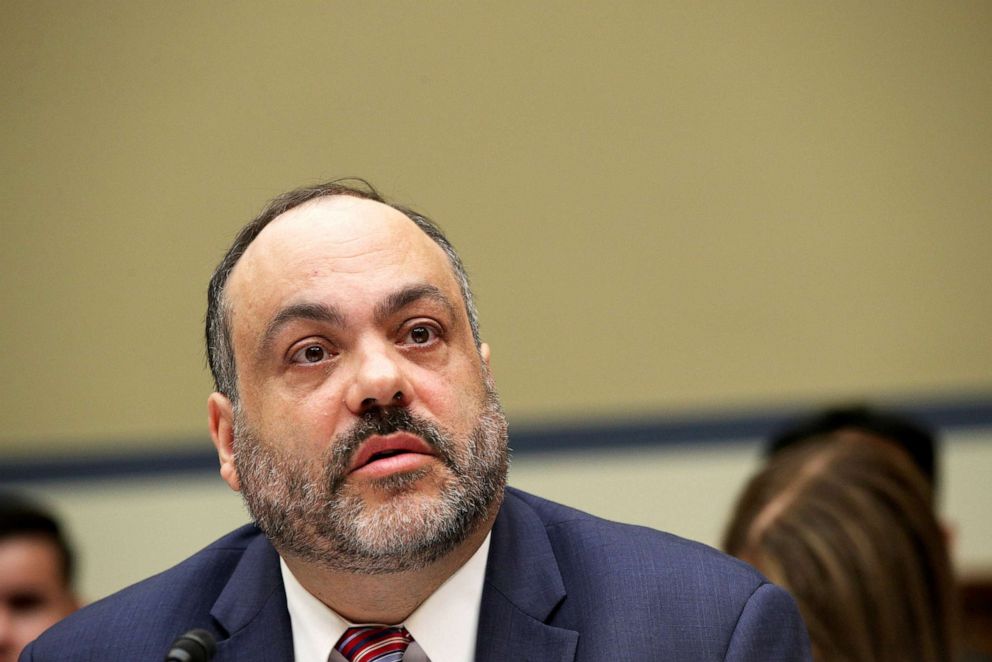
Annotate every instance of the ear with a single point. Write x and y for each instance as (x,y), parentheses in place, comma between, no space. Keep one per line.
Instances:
(220,415)
(485,353)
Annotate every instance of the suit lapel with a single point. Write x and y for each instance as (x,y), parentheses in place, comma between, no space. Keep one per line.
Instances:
(252,609)
(523,587)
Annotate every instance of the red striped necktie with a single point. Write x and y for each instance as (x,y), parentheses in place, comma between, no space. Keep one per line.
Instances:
(373,644)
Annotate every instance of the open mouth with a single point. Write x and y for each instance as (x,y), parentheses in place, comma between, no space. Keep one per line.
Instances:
(400,451)
(384,454)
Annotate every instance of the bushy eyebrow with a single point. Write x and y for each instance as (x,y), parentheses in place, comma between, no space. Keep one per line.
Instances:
(328,314)
(317,312)
(399,300)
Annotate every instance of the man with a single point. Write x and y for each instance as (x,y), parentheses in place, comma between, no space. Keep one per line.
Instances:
(356,413)
(35,574)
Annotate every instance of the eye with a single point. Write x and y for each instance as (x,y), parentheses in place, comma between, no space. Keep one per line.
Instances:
(421,334)
(25,602)
(310,354)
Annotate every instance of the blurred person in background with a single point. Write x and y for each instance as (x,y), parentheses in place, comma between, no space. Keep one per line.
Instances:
(921,444)
(849,529)
(36,572)
(869,424)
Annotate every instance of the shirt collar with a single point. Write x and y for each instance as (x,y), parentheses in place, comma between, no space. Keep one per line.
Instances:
(444,626)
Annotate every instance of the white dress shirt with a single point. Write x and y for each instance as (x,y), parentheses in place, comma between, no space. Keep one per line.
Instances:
(443,627)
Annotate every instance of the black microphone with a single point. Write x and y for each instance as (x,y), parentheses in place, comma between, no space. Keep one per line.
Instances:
(193,646)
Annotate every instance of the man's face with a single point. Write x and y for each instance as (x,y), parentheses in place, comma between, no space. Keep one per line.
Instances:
(33,594)
(368,436)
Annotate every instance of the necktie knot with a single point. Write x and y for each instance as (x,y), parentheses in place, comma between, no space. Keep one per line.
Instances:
(374,644)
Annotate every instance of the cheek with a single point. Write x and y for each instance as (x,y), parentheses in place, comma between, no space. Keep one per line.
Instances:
(31,623)
(454,396)
(299,420)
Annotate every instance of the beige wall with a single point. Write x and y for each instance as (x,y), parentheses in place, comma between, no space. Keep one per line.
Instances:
(664,205)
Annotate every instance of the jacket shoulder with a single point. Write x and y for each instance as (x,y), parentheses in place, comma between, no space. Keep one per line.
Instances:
(143,619)
(642,589)
(623,548)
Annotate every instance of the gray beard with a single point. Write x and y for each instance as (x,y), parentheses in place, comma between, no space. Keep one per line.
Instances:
(319,518)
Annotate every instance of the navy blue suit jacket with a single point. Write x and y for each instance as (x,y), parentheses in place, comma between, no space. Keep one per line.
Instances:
(561,586)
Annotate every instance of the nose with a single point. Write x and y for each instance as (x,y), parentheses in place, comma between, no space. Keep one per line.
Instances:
(379,381)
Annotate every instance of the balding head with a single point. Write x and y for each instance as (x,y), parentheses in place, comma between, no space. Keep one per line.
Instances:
(220,351)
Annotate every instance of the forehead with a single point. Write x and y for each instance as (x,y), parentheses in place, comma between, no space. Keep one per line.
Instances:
(30,558)
(340,243)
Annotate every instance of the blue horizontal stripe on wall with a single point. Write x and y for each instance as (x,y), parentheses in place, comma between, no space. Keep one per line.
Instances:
(719,427)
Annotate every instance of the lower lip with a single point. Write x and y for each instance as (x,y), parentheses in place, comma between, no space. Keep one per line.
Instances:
(387,466)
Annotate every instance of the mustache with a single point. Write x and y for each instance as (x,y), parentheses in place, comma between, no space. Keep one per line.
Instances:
(385,421)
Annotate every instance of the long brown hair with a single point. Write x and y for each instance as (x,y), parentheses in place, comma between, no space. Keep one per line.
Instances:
(848,527)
